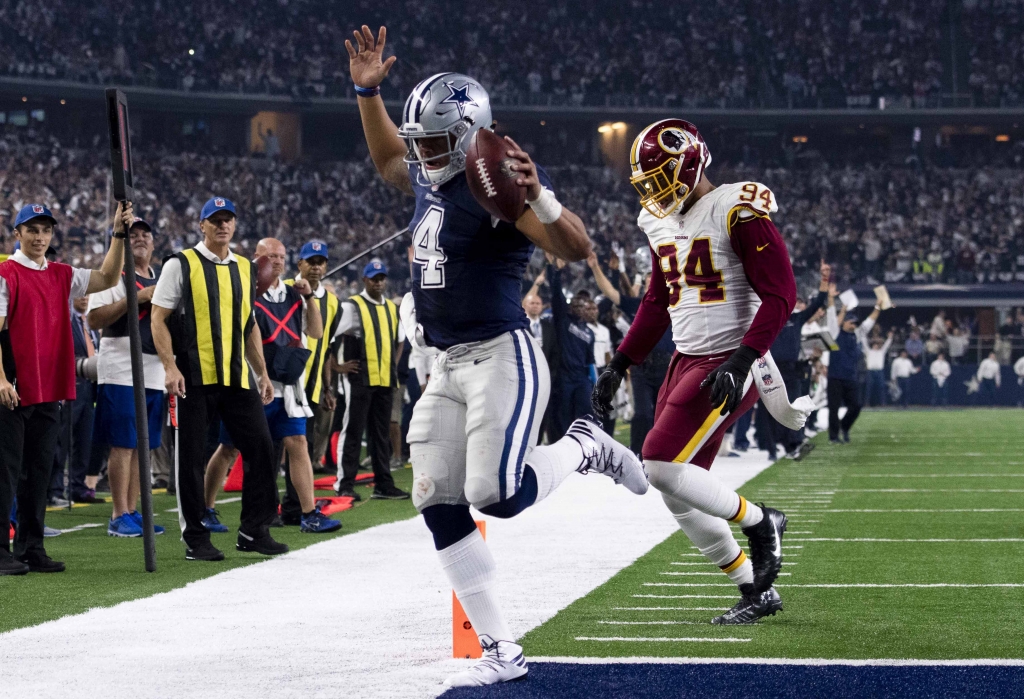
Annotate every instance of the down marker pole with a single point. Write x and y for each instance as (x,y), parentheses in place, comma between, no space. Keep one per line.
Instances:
(465,643)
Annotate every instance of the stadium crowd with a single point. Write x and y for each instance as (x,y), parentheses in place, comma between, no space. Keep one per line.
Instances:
(877,224)
(802,54)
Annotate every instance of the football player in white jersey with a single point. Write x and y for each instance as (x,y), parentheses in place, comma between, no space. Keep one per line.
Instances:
(723,280)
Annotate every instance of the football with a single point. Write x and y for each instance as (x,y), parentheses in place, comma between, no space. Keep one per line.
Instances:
(491,179)
(264,274)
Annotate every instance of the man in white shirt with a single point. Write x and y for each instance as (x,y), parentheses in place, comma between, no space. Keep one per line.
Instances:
(37,371)
(602,351)
(940,371)
(1018,369)
(115,397)
(285,329)
(902,369)
(957,343)
(989,379)
(875,355)
(534,307)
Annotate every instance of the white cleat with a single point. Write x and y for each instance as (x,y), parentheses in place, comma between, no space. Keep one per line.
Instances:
(502,661)
(603,454)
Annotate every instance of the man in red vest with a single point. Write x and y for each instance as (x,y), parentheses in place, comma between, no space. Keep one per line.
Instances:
(37,371)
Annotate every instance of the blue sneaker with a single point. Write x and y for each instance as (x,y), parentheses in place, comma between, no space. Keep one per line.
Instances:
(318,523)
(137,516)
(212,524)
(124,527)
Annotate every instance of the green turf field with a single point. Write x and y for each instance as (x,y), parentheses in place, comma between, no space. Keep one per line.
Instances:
(103,570)
(955,478)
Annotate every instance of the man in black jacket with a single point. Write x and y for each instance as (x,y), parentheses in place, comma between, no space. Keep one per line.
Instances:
(786,352)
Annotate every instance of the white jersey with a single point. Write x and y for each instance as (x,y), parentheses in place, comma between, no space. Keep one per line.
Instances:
(711,302)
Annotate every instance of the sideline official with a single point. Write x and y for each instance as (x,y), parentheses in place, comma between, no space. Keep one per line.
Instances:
(37,371)
(371,335)
(210,292)
(842,366)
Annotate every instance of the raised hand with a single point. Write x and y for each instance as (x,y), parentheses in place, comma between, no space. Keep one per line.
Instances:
(365,59)
(527,170)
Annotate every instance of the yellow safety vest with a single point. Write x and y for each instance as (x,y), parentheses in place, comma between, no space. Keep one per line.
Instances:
(217,319)
(377,320)
(3,258)
(329,305)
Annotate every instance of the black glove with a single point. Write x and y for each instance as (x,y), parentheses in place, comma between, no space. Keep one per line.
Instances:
(608,383)
(727,380)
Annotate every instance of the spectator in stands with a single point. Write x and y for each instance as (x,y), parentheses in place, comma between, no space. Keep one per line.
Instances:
(938,327)
(1018,369)
(844,326)
(957,342)
(933,347)
(914,347)
(940,371)
(989,379)
(875,358)
(902,369)
(603,350)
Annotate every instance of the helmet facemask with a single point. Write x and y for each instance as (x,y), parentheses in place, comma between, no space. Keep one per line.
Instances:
(660,190)
(437,165)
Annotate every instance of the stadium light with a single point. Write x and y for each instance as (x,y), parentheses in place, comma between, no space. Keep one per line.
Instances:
(604,128)
(619,126)
(1003,138)
(799,139)
(191,52)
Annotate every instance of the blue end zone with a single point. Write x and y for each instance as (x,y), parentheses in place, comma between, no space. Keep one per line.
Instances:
(729,681)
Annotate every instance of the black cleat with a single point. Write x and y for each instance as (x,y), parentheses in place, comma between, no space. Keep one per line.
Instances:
(765,539)
(349,493)
(389,493)
(41,563)
(204,552)
(260,543)
(802,450)
(751,607)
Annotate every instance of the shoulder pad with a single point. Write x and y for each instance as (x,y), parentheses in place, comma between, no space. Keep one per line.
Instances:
(748,200)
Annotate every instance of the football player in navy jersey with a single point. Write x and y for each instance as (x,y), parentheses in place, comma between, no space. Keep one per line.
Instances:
(473,430)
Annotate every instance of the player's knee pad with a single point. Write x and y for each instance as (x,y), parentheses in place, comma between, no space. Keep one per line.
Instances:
(449,524)
(519,501)
(436,480)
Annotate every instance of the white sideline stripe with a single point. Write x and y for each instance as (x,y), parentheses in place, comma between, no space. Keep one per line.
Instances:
(80,527)
(668,609)
(1007,662)
(919,541)
(940,475)
(685,596)
(996,509)
(627,639)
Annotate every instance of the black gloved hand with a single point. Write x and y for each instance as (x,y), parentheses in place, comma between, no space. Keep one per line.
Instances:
(727,380)
(608,384)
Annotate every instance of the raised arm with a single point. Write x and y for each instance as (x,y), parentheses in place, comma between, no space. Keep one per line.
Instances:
(368,70)
(603,283)
(535,289)
(108,274)
(313,324)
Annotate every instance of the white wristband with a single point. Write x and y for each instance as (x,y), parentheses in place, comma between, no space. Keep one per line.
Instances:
(547,208)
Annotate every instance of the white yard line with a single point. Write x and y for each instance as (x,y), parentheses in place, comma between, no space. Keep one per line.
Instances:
(673,622)
(684,596)
(629,639)
(937,475)
(381,598)
(1010,509)
(917,541)
(931,490)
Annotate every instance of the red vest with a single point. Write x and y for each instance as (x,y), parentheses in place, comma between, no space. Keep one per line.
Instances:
(39,323)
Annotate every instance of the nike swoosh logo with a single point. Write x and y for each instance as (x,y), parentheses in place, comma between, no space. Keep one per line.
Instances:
(762,247)
(477,361)
(778,543)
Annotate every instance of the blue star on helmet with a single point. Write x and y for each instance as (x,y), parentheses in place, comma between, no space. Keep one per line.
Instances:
(459,97)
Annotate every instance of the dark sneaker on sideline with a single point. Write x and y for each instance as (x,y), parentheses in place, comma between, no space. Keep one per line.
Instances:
(212,523)
(88,497)
(261,543)
(317,522)
(765,539)
(11,566)
(751,607)
(204,552)
(349,493)
(276,521)
(389,493)
(41,563)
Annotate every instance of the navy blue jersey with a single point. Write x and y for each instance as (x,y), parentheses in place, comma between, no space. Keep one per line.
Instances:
(467,269)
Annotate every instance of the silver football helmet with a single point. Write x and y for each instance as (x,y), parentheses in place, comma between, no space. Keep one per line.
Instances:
(446,106)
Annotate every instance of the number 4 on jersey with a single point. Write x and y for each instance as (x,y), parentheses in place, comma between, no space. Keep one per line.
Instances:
(427,253)
(699,271)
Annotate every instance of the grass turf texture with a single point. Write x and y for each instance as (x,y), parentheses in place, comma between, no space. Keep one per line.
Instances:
(891,451)
(103,571)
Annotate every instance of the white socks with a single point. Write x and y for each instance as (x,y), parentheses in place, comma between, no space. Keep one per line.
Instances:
(697,488)
(713,537)
(552,464)
(470,568)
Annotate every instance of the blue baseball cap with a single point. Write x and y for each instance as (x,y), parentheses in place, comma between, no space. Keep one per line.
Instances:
(31,211)
(314,248)
(217,204)
(141,222)
(374,268)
